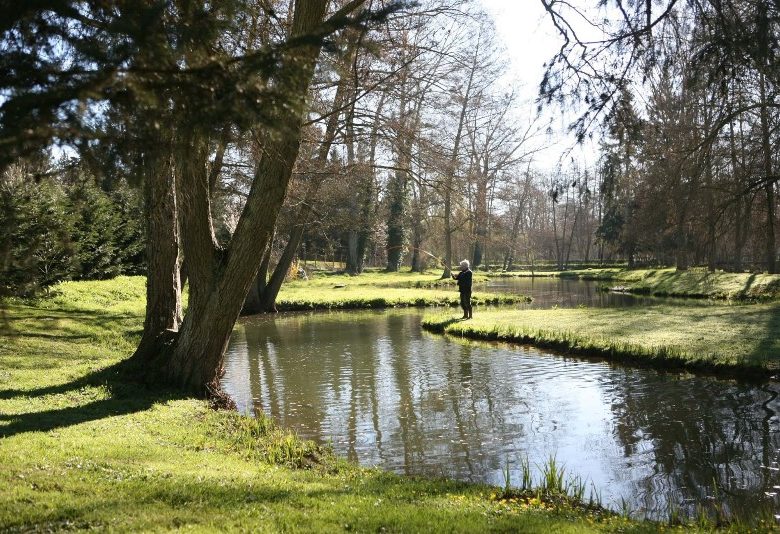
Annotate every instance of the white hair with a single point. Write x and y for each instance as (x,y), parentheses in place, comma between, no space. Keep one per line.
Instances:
(464,264)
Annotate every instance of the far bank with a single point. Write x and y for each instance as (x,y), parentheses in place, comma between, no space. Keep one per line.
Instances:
(670,282)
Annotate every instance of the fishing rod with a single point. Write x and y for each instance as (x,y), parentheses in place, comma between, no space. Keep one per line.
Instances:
(427,253)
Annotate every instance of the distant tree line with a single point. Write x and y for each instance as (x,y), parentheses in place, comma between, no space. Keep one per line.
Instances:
(690,175)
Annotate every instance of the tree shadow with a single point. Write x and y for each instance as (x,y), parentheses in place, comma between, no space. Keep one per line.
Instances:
(64,325)
(767,352)
(127,394)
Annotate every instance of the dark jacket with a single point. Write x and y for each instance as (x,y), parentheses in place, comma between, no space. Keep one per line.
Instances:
(464,281)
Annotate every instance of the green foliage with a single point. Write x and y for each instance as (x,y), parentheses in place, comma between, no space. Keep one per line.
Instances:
(95,224)
(63,227)
(611,227)
(129,235)
(37,228)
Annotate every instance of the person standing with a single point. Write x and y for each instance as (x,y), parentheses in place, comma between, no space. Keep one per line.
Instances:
(464,288)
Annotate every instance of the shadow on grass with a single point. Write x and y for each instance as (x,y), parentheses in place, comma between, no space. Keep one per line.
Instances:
(768,349)
(748,284)
(127,395)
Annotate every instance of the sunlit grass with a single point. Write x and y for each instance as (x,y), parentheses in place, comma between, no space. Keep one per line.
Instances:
(301,297)
(379,278)
(696,282)
(732,339)
(81,447)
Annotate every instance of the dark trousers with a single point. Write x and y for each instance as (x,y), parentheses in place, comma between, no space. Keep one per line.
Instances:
(465,302)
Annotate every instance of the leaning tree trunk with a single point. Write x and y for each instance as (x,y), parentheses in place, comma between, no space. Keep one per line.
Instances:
(220,279)
(271,290)
(267,298)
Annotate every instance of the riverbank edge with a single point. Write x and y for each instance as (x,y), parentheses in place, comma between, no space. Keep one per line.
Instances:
(669,282)
(84,448)
(415,299)
(568,343)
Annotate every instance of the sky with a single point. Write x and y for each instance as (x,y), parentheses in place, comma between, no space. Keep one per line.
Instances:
(530,40)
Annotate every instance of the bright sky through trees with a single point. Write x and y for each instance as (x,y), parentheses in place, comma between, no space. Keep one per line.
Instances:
(531,40)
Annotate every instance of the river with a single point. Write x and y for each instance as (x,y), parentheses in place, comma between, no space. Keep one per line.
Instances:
(383,392)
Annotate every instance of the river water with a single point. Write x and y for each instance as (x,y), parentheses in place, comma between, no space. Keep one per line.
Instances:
(383,392)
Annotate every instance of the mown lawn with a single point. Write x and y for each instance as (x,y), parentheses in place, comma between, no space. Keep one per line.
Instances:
(81,447)
(730,339)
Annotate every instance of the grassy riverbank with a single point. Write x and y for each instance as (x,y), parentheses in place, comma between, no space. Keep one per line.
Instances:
(699,283)
(733,340)
(301,297)
(378,289)
(82,448)
(380,278)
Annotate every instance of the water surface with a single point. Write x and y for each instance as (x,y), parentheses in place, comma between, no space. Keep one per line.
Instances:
(571,292)
(385,393)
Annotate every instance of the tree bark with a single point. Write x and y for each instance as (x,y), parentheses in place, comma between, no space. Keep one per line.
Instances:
(267,298)
(252,301)
(220,280)
(449,177)
(163,289)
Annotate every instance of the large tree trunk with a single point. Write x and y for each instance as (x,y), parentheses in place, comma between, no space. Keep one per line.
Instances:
(398,186)
(252,302)
(163,289)
(480,218)
(271,290)
(449,178)
(360,238)
(396,224)
(220,280)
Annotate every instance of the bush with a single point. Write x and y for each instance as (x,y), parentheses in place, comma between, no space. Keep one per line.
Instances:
(65,227)
(36,247)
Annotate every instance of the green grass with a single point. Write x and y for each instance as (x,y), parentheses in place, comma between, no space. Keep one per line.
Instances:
(83,448)
(378,289)
(696,282)
(301,297)
(379,278)
(729,339)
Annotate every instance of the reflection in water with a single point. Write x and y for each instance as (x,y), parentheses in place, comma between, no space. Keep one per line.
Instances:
(385,393)
(570,293)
